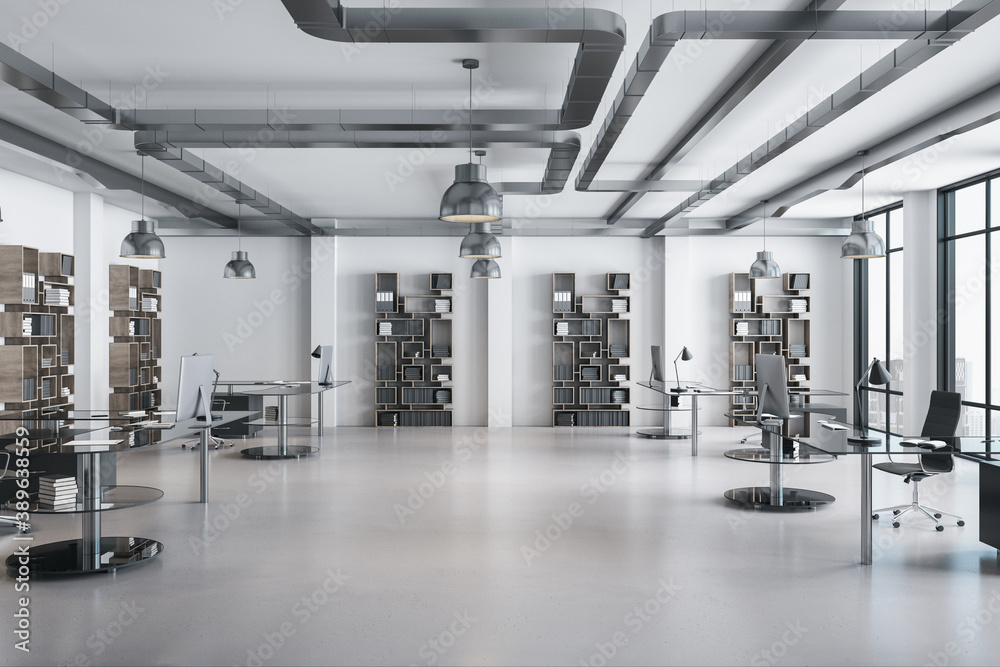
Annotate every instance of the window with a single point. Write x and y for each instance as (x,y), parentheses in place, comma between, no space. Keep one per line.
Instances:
(878,298)
(967,246)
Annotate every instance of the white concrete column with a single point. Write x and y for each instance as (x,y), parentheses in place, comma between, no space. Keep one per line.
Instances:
(91,306)
(919,305)
(500,341)
(322,285)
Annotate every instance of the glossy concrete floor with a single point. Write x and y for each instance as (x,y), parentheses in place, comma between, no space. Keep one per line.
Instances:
(514,546)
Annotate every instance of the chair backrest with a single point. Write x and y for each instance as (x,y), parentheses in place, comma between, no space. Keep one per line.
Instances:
(943,415)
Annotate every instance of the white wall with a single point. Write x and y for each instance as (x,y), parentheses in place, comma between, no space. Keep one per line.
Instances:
(257,329)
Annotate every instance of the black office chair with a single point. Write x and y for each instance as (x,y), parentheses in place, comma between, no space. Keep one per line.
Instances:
(941,422)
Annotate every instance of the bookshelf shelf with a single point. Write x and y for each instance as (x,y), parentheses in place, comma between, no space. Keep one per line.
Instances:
(413,335)
(768,316)
(36,324)
(136,338)
(591,342)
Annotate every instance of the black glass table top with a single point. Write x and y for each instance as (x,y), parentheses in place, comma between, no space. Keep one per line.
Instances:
(831,437)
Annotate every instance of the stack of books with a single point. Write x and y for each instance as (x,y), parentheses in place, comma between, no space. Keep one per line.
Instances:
(742,372)
(29,291)
(565,419)
(385,302)
(618,396)
(563,302)
(442,396)
(56,296)
(442,305)
(150,303)
(133,298)
(65,356)
(590,372)
(28,389)
(742,302)
(797,351)
(442,377)
(562,328)
(57,492)
(742,328)
(384,328)
(619,351)
(411,373)
(271,413)
(47,362)
(799,377)
(388,419)
(65,391)
(619,305)
(619,377)
(441,351)
(26,326)
(798,305)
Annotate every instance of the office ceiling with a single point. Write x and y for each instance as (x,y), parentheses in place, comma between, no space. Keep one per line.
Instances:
(375,174)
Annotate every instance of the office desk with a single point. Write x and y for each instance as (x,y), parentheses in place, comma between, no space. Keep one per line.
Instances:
(283,450)
(776,496)
(84,554)
(668,407)
(701,391)
(836,444)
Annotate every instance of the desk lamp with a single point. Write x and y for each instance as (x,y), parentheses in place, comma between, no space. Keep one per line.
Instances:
(684,355)
(878,375)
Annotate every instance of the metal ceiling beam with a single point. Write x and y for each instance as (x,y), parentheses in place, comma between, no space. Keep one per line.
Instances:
(743,80)
(342,120)
(965,17)
(190,164)
(600,34)
(168,145)
(33,79)
(110,177)
(670,28)
(965,116)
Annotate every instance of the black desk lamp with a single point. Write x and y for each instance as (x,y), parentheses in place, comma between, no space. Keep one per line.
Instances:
(878,375)
(683,355)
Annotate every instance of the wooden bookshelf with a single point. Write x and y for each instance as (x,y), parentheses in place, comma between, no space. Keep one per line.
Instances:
(414,350)
(136,338)
(590,349)
(768,316)
(37,297)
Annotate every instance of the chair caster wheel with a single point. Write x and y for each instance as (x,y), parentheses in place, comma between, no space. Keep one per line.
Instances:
(937,516)
(961,523)
(183,446)
(895,524)
(895,512)
(939,528)
(874,517)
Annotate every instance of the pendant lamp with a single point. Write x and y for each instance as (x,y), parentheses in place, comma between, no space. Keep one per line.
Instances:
(142,242)
(864,242)
(239,266)
(470,198)
(765,266)
(485,268)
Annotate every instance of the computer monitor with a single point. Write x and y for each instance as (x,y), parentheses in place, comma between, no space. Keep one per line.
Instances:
(656,375)
(325,375)
(194,386)
(772,386)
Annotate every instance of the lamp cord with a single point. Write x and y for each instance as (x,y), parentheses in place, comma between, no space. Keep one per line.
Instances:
(470,115)
(142,187)
(239,226)
(862,185)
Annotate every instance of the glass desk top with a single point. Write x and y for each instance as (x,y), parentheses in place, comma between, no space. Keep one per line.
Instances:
(298,389)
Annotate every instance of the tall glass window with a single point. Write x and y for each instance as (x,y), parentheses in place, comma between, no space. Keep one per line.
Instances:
(967,246)
(879,283)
